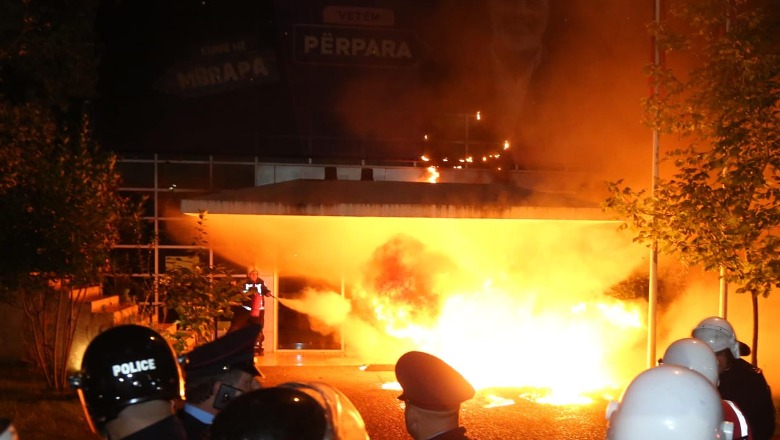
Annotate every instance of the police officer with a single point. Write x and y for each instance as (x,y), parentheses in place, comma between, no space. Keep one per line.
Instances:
(128,383)
(432,393)
(668,402)
(216,373)
(696,355)
(740,382)
(293,410)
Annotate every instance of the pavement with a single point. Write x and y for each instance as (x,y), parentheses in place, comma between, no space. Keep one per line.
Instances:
(500,413)
(492,414)
(307,358)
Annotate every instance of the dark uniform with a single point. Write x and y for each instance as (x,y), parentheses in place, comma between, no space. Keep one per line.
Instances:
(210,362)
(431,384)
(168,428)
(745,385)
(193,427)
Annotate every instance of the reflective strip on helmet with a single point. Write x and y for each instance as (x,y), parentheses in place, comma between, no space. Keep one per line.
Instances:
(743,426)
(133,367)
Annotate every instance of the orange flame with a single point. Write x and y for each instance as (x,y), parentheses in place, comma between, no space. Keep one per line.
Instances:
(433,174)
(508,303)
(501,338)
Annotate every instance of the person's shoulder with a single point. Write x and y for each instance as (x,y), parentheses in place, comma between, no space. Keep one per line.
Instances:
(194,428)
(169,428)
(748,368)
(745,373)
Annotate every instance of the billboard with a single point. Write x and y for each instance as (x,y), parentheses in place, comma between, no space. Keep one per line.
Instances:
(374,79)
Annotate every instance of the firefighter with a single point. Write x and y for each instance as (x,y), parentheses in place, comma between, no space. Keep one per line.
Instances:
(293,410)
(668,402)
(740,382)
(252,311)
(216,373)
(128,383)
(432,393)
(696,355)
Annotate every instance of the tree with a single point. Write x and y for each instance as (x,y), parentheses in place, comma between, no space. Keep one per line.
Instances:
(62,212)
(62,215)
(199,294)
(721,101)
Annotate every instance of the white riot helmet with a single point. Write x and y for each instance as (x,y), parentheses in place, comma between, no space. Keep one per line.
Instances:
(668,402)
(718,334)
(7,430)
(694,354)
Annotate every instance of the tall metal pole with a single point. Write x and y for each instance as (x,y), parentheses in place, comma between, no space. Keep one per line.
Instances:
(723,301)
(652,294)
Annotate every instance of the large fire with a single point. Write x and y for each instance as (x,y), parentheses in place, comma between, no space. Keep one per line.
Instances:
(511,304)
(562,351)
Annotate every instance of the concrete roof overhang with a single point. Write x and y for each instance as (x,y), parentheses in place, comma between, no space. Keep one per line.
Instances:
(358,198)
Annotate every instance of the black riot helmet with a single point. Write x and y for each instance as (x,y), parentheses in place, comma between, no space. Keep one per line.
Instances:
(123,366)
(271,414)
(291,411)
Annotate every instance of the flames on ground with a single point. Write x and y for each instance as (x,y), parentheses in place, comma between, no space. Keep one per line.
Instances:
(561,346)
(508,304)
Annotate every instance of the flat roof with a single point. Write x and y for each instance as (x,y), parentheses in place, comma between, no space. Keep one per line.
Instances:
(362,198)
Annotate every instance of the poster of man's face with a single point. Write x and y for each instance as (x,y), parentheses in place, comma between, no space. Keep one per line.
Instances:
(518,25)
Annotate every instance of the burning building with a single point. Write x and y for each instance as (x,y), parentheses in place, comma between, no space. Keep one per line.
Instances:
(505,265)
(509,284)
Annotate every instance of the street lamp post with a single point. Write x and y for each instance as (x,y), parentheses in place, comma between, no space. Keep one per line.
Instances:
(652,294)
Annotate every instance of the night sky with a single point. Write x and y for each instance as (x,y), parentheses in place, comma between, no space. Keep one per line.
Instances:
(369,78)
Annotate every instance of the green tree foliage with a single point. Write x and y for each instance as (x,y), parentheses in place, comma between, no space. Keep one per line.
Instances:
(59,194)
(62,214)
(718,102)
(199,294)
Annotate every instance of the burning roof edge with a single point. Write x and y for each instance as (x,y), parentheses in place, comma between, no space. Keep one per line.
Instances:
(355,198)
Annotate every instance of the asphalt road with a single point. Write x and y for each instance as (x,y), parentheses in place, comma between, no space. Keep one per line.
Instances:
(383,413)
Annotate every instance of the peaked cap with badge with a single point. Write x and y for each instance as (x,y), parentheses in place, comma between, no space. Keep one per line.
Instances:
(430,383)
(234,350)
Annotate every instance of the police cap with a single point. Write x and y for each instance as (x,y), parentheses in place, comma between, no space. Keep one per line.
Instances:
(234,350)
(430,383)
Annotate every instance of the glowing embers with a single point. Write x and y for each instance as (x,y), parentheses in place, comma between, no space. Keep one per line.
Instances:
(445,148)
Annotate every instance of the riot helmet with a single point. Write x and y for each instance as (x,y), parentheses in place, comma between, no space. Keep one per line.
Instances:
(344,420)
(123,366)
(7,430)
(718,334)
(694,354)
(668,402)
(271,414)
(300,411)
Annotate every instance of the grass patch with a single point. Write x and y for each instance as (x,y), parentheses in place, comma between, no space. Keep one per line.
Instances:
(37,412)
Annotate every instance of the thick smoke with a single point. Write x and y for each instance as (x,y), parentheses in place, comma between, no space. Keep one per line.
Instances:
(561,81)
(449,280)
